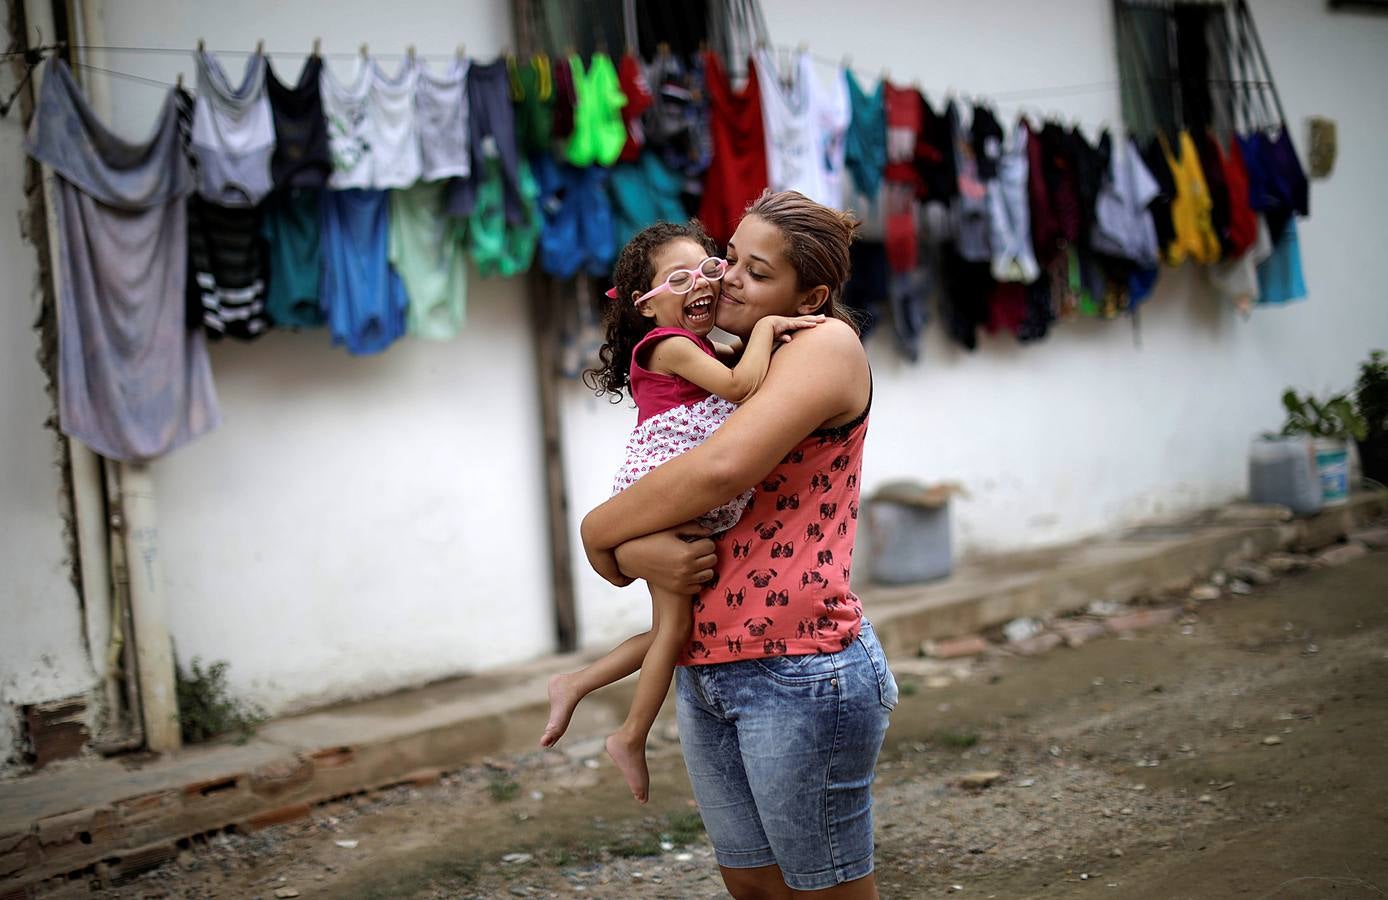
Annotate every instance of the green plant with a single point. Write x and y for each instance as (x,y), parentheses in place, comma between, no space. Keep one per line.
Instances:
(1334,417)
(206,707)
(503,789)
(1371,393)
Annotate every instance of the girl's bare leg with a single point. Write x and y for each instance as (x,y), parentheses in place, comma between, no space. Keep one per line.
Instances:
(567,689)
(674,620)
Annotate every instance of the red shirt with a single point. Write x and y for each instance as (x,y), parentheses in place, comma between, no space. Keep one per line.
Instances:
(781,586)
(638,94)
(737,174)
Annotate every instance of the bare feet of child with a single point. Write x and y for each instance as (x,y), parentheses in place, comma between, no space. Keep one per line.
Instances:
(562,700)
(630,758)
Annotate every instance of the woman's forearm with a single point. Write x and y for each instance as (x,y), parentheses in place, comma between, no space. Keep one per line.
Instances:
(675,492)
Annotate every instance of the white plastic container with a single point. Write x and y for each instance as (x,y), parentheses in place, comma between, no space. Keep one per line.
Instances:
(1283,470)
(1332,466)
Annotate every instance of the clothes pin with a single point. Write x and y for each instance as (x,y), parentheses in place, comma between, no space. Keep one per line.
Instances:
(365,51)
(317,46)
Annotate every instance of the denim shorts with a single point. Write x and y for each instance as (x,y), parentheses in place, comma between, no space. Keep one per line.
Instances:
(782,752)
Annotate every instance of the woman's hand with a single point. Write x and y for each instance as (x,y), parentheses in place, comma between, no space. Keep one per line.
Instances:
(679,559)
(604,562)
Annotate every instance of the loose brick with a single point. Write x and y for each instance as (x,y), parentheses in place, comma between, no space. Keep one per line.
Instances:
(130,863)
(1147,618)
(17,853)
(423,777)
(1373,538)
(953,648)
(279,777)
(1036,644)
(290,813)
(145,807)
(1080,631)
(1338,556)
(333,757)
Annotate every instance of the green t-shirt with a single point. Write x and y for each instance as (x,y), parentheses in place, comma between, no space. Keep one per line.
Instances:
(599,133)
(292,231)
(428,256)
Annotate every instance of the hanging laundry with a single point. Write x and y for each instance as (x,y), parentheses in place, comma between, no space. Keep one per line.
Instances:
(497,245)
(292,229)
(987,138)
(233,133)
(363,298)
(1122,223)
(632,81)
(133,382)
(1045,229)
(643,193)
(599,133)
(393,126)
(1280,278)
(302,158)
(965,288)
(867,288)
(737,173)
(349,129)
(1190,210)
(969,209)
(901,113)
(441,109)
(1212,167)
(934,155)
(804,125)
(532,93)
(677,123)
(427,253)
(1007,308)
(1009,212)
(865,143)
(1243,224)
(492,128)
(226,271)
(565,101)
(578,231)
(1236,280)
(1160,207)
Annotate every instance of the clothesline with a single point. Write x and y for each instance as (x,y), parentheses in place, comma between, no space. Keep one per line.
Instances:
(1060,90)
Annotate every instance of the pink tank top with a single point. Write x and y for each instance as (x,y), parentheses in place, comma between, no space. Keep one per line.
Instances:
(655,392)
(781,586)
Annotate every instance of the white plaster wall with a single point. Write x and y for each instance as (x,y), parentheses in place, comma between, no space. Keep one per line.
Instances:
(356,525)
(42,654)
(1089,430)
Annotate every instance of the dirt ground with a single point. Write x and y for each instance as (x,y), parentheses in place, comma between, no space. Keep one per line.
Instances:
(1236,753)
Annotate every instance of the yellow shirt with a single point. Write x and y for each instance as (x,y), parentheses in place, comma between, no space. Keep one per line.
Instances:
(1190,208)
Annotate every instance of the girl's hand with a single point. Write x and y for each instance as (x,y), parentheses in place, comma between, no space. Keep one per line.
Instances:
(782,326)
(604,562)
(679,559)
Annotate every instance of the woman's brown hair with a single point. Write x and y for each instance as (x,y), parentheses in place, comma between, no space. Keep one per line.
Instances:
(817,240)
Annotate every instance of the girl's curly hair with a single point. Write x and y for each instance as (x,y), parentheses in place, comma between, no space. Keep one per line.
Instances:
(623,321)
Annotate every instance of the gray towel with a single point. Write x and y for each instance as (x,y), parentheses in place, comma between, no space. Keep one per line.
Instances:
(133,381)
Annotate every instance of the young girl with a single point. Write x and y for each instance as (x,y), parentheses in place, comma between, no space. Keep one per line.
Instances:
(668,284)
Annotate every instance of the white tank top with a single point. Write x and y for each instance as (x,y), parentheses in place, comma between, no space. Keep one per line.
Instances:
(805,125)
(233,134)
(441,105)
(391,127)
(344,108)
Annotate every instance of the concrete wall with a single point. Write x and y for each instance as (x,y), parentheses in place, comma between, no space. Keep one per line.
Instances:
(364,524)
(356,525)
(42,655)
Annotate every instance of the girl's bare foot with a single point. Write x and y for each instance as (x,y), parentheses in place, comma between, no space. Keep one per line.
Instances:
(562,700)
(630,757)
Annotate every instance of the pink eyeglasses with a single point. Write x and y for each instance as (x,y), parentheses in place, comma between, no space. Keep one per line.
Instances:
(682,281)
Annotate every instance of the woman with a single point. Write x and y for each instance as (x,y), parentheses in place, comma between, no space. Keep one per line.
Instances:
(784,693)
